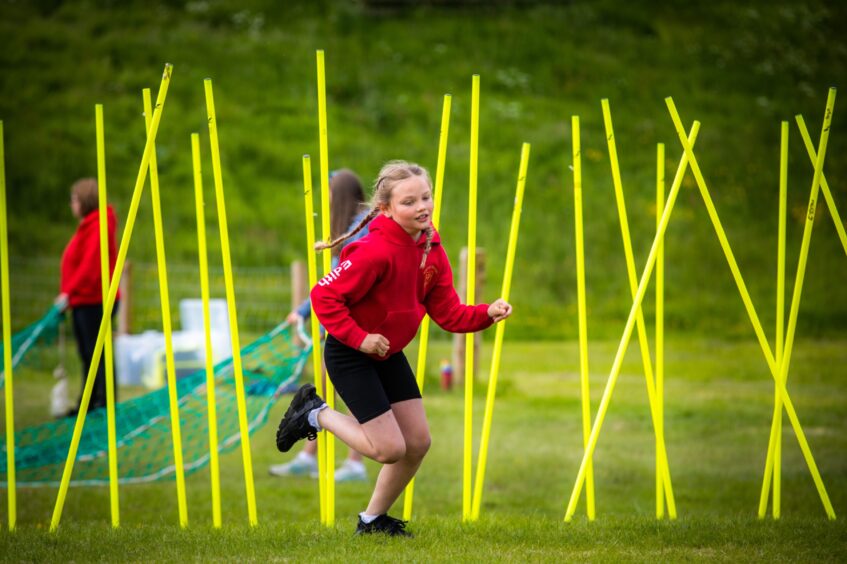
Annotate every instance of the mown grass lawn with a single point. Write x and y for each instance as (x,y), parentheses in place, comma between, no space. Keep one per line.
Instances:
(718,409)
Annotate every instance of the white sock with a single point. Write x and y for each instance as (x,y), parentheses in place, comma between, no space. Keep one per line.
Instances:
(313,417)
(366,519)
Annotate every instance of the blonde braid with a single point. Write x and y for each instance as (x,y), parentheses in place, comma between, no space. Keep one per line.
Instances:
(429,234)
(321,245)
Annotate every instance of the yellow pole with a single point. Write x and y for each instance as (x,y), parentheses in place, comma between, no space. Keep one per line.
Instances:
(104,278)
(773,460)
(582,314)
(660,326)
(436,215)
(313,279)
(663,468)
(162,267)
(627,334)
(214,466)
(329,438)
(230,301)
(780,313)
(7,345)
(471,299)
(785,360)
(498,338)
(110,302)
(833,211)
(748,303)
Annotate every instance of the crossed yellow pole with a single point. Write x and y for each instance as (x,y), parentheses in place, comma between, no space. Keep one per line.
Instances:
(660,334)
(775,369)
(627,334)
(436,216)
(773,462)
(661,453)
(104,278)
(110,302)
(238,371)
(214,464)
(498,337)
(173,400)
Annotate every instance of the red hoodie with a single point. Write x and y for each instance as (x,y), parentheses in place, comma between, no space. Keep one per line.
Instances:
(81,279)
(379,287)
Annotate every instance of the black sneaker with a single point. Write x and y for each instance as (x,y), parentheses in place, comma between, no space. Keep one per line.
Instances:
(295,425)
(383,524)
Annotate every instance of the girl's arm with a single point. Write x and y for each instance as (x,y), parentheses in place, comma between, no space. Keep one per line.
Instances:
(443,305)
(347,283)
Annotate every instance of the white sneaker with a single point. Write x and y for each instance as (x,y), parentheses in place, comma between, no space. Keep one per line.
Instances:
(302,465)
(351,471)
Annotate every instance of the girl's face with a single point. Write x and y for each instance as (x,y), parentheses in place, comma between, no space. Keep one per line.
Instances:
(411,205)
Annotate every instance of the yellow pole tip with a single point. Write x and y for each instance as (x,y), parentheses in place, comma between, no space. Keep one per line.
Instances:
(476,77)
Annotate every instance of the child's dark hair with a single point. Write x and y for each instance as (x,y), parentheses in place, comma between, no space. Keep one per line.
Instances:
(347,201)
(392,173)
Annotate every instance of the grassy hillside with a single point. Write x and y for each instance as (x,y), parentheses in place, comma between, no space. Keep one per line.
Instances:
(740,70)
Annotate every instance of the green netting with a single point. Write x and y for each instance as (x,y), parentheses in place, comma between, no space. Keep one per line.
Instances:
(41,332)
(272,364)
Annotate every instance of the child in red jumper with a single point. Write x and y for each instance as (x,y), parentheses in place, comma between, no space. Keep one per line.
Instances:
(81,288)
(371,305)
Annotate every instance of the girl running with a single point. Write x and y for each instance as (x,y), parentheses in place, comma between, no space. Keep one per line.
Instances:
(371,305)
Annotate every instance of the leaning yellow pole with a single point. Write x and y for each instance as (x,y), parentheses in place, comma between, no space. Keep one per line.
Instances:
(471,299)
(230,301)
(627,334)
(498,338)
(660,327)
(663,468)
(162,267)
(104,278)
(745,295)
(110,302)
(436,215)
(827,194)
(582,313)
(7,345)
(785,361)
(214,466)
(773,460)
(329,438)
(313,279)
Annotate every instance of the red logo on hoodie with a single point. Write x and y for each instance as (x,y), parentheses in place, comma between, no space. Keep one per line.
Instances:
(430,274)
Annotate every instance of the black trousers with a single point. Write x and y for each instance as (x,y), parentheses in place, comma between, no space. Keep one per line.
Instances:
(86,323)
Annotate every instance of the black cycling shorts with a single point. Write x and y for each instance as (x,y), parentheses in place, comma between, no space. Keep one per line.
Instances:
(367,386)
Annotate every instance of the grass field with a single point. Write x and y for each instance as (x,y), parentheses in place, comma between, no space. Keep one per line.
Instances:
(718,409)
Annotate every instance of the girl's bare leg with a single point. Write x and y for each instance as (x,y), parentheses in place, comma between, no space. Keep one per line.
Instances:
(393,478)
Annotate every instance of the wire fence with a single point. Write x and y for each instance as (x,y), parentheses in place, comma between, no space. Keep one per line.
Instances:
(262,295)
